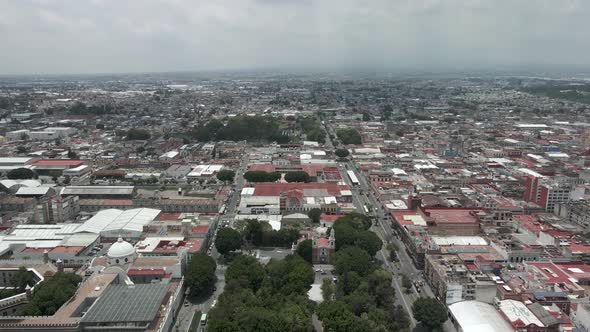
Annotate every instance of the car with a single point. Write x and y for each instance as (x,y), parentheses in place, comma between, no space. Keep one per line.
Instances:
(324,272)
(214,303)
(318,270)
(186,304)
(335,279)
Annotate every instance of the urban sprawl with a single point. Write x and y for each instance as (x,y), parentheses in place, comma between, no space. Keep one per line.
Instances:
(276,202)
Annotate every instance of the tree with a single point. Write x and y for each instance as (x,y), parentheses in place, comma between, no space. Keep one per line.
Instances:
(430,312)
(327,289)
(72,154)
(21,174)
(228,240)
(226,175)
(349,136)
(315,214)
(304,249)
(247,271)
(342,153)
(369,241)
(336,316)
(253,232)
(51,294)
(353,259)
(138,134)
(406,283)
(292,275)
(21,279)
(261,176)
(200,274)
(21,149)
(298,176)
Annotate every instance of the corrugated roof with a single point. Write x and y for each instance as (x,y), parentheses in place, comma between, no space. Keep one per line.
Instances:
(28,191)
(98,190)
(114,219)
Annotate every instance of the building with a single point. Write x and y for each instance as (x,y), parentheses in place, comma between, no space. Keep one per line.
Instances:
(529,318)
(475,316)
(302,197)
(546,193)
(119,192)
(121,253)
(576,212)
(114,223)
(127,307)
(452,280)
(54,167)
(56,209)
(323,247)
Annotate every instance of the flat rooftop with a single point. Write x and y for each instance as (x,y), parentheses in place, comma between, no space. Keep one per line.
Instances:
(121,304)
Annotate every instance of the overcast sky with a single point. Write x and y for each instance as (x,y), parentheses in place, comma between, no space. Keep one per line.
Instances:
(106,36)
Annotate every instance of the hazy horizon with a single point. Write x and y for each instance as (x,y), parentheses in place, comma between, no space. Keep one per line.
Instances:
(152,36)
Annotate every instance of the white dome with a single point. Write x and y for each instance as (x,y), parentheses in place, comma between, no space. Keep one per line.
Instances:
(121,249)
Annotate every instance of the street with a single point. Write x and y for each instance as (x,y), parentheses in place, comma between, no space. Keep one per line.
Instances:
(185,314)
(363,196)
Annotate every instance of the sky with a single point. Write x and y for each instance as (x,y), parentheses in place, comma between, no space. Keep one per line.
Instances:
(111,36)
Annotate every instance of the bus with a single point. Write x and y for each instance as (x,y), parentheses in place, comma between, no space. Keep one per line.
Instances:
(352,178)
(203,319)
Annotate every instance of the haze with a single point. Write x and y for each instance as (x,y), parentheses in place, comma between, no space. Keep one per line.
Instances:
(43,37)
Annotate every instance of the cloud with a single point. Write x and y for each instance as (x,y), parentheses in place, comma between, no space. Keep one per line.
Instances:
(70,36)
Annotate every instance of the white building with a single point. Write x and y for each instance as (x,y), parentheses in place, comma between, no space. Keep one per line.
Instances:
(115,223)
(475,316)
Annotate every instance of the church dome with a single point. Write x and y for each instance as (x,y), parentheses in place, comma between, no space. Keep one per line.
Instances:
(121,249)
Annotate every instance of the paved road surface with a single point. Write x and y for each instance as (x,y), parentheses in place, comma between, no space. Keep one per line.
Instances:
(384,229)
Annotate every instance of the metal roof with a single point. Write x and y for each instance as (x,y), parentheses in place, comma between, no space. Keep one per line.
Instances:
(98,190)
(120,303)
(32,191)
(115,219)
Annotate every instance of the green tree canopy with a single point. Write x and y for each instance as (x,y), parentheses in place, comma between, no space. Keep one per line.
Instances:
(336,316)
(315,214)
(200,274)
(304,250)
(21,174)
(228,239)
(298,176)
(430,312)
(349,136)
(138,134)
(261,176)
(353,230)
(21,279)
(247,271)
(226,175)
(327,289)
(51,294)
(353,259)
(342,153)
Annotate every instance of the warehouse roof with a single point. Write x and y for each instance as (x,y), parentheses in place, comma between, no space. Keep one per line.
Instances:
(98,190)
(475,316)
(32,191)
(120,303)
(114,219)
(15,160)
(57,162)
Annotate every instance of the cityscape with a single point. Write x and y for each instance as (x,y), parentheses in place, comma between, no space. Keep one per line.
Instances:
(292,166)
